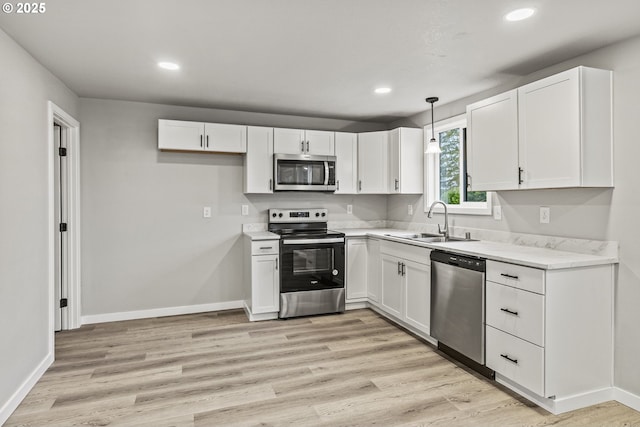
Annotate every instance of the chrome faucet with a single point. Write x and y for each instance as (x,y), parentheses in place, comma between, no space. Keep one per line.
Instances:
(444,231)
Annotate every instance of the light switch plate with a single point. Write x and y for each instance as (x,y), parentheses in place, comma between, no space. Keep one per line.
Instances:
(350,209)
(410,209)
(245,210)
(545,214)
(497,213)
(206,212)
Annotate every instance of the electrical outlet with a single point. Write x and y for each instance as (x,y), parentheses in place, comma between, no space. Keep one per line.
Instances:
(497,213)
(245,210)
(545,215)
(350,209)
(410,209)
(206,212)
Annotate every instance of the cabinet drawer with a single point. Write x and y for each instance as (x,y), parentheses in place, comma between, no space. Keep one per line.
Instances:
(516,359)
(265,247)
(518,276)
(518,312)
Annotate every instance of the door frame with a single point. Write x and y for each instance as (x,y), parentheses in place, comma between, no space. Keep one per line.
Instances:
(72,128)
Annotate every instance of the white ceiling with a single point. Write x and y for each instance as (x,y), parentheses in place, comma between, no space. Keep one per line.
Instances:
(310,57)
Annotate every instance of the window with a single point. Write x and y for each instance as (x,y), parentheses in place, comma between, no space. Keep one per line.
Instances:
(446,172)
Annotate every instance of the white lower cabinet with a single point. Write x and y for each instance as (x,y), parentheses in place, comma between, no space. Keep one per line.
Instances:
(356,283)
(516,359)
(406,284)
(392,285)
(374,271)
(549,332)
(418,295)
(262,279)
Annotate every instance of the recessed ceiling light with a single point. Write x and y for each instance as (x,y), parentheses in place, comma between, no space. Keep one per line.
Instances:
(520,14)
(169,66)
(382,90)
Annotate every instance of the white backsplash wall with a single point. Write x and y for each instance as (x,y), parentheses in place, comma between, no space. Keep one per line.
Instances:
(145,243)
(600,214)
(578,212)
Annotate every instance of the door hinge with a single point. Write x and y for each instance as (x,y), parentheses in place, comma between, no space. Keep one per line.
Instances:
(62,152)
(63,227)
(64,302)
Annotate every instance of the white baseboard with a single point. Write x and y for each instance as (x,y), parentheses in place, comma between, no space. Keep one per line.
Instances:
(7,409)
(626,398)
(160,312)
(560,406)
(259,316)
(356,305)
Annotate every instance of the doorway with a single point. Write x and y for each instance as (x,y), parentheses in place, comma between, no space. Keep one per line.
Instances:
(64,219)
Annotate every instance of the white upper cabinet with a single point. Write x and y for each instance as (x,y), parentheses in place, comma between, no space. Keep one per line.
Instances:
(258,163)
(299,141)
(196,136)
(225,138)
(405,161)
(288,141)
(552,133)
(179,135)
(492,153)
(373,148)
(346,145)
(320,142)
(565,130)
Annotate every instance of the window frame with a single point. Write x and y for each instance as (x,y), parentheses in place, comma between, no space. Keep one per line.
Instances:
(432,172)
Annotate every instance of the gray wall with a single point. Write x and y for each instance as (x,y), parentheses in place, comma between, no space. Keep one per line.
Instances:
(604,214)
(145,244)
(25,88)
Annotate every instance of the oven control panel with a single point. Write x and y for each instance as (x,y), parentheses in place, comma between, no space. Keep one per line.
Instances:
(298,215)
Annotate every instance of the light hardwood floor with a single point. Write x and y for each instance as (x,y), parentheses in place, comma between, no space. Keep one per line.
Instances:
(217,369)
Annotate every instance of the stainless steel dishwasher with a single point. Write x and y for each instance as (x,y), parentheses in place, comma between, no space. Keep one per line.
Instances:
(457,308)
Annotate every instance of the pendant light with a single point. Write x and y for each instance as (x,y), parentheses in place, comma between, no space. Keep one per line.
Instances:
(433,147)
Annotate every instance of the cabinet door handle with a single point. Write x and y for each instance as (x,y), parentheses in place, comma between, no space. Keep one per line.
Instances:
(506,310)
(403,271)
(338,185)
(270,184)
(302,147)
(201,141)
(397,184)
(509,276)
(506,356)
(520,171)
(207,144)
(276,263)
(307,146)
(360,185)
(399,268)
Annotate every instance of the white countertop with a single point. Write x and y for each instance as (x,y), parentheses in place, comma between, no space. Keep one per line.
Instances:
(548,259)
(261,235)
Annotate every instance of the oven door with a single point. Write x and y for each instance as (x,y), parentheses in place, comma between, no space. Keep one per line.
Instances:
(311,264)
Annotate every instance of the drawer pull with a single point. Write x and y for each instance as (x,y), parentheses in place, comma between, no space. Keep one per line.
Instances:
(509,276)
(506,310)
(509,359)
(266,247)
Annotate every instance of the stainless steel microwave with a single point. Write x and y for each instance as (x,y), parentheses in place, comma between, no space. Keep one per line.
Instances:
(304,172)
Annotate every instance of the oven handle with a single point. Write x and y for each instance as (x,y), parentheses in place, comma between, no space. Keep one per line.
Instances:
(326,173)
(312,241)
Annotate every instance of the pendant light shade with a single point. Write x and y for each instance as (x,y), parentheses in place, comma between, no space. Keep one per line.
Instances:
(433,146)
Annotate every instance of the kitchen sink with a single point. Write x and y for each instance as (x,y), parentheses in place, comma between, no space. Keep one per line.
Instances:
(429,238)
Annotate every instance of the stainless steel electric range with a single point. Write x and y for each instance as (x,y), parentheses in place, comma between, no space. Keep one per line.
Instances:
(311,262)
